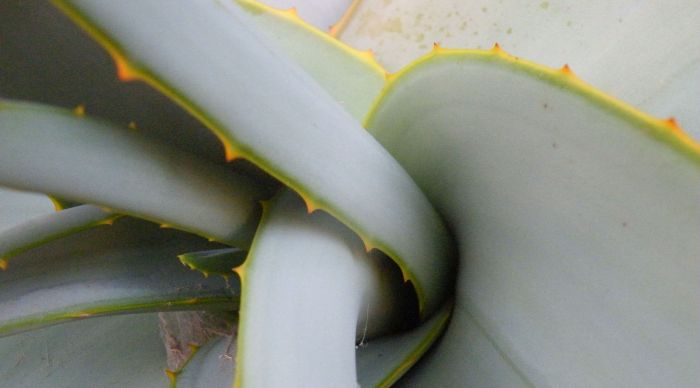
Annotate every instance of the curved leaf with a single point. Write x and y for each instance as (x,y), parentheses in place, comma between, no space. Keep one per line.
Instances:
(214,261)
(129,266)
(56,152)
(17,207)
(309,290)
(352,78)
(599,39)
(38,231)
(267,110)
(118,351)
(577,220)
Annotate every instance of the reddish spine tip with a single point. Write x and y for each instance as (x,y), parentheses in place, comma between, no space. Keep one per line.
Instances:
(567,70)
(124,72)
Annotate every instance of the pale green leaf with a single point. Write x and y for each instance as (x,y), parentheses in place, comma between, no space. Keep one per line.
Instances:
(645,52)
(128,266)
(577,219)
(117,351)
(269,111)
(309,292)
(60,153)
(382,361)
(37,231)
(351,77)
(17,207)
(321,13)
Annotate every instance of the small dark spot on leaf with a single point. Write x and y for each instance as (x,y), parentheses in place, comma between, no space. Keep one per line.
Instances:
(624,224)
(554,145)
(545,105)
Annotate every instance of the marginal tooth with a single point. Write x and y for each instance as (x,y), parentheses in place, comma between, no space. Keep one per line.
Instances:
(3,264)
(496,49)
(230,152)
(132,125)
(124,72)
(166,226)
(108,221)
(240,271)
(567,70)
(79,110)
(310,206)
(436,47)
(293,11)
(367,54)
(368,245)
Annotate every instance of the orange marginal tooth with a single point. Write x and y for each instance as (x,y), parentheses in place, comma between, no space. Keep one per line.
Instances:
(293,11)
(230,152)
(124,72)
(671,122)
(567,70)
(79,110)
(3,264)
(172,375)
(109,221)
(165,226)
(436,46)
(497,48)
(132,125)
(310,207)
(240,271)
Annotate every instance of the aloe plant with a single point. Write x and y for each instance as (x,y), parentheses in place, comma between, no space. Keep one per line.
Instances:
(251,201)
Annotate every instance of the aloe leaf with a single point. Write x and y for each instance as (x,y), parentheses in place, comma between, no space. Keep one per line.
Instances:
(212,365)
(577,221)
(17,207)
(214,261)
(381,362)
(116,351)
(50,227)
(553,33)
(308,290)
(267,110)
(56,152)
(321,13)
(74,70)
(352,78)
(129,266)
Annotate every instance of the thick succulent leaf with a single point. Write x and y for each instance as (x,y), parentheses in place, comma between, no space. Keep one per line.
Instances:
(128,266)
(17,207)
(646,52)
(57,152)
(40,230)
(321,13)
(267,110)
(214,261)
(48,59)
(117,351)
(381,362)
(211,366)
(352,78)
(309,290)
(577,219)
